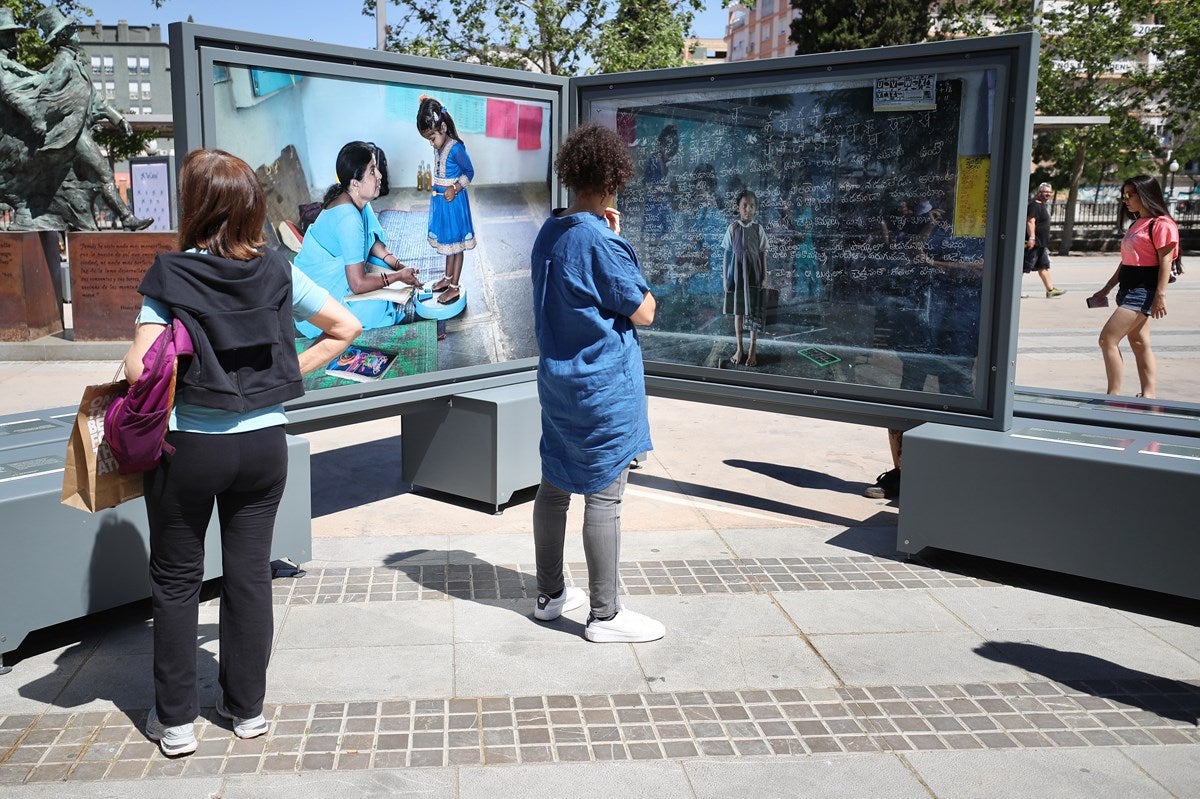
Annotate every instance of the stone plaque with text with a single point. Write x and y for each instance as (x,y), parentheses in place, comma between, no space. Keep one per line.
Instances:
(106,270)
(29,306)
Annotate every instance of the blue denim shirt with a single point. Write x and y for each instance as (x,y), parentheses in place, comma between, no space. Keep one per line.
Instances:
(586,284)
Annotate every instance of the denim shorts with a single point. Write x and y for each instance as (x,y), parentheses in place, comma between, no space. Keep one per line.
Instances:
(1136,298)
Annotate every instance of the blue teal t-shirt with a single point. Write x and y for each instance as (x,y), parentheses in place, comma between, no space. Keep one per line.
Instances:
(307,299)
(343,235)
(586,284)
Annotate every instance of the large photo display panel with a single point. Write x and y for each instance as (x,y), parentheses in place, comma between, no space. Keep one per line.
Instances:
(839,228)
(290,125)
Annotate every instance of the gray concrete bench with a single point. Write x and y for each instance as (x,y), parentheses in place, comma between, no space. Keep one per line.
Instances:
(1106,503)
(60,563)
(481,445)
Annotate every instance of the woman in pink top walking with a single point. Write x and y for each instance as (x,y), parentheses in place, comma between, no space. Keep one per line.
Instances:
(1150,245)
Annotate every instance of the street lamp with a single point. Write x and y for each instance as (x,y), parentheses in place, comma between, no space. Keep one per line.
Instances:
(1172,167)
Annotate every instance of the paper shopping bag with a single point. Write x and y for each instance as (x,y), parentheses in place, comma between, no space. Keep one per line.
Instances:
(91,481)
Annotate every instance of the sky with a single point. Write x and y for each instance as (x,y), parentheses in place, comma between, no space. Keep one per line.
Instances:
(327,21)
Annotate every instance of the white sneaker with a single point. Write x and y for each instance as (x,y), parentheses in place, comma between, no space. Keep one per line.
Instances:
(550,609)
(242,728)
(626,627)
(173,741)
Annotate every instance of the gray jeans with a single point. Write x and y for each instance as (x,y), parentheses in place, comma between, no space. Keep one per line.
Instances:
(601,541)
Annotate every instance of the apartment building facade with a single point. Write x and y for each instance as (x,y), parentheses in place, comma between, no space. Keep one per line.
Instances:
(131,69)
(761,31)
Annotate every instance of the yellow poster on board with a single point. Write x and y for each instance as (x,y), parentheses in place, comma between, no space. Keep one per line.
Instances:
(970,200)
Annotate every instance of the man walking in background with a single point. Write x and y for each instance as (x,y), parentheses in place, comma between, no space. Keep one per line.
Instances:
(1037,239)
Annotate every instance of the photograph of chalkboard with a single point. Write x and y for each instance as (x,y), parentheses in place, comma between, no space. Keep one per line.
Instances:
(843,217)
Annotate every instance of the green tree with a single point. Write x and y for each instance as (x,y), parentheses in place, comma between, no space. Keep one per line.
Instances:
(31,48)
(645,34)
(1177,45)
(548,36)
(825,26)
(555,37)
(1088,66)
(120,147)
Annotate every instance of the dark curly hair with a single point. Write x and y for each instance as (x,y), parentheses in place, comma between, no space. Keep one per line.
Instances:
(594,158)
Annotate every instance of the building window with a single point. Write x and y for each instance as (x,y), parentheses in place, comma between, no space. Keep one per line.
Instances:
(97,87)
(144,64)
(95,65)
(108,64)
(766,32)
(145,91)
(131,65)
(146,110)
(110,90)
(133,90)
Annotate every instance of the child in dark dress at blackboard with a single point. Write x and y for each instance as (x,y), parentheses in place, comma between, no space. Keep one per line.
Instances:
(745,271)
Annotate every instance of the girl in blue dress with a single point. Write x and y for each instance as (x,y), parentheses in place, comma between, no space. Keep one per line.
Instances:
(451,231)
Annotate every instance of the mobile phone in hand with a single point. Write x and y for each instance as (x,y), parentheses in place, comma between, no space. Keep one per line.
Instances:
(1097,302)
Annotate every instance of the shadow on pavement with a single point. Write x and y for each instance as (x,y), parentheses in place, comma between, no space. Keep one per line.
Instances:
(738,499)
(461,574)
(1166,698)
(333,492)
(799,477)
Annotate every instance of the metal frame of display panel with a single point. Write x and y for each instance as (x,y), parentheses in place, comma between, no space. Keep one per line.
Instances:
(189,41)
(1013,59)
(195,49)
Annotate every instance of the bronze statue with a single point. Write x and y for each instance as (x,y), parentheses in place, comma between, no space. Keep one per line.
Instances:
(51,169)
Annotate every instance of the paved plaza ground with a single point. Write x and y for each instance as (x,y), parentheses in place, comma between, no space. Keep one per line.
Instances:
(804,656)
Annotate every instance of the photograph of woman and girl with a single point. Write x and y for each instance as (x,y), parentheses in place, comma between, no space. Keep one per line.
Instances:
(415,235)
(345,250)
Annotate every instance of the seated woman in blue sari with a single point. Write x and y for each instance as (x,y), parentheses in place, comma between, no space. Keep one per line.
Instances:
(346,237)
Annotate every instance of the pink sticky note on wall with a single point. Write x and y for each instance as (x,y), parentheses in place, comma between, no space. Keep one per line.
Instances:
(501,119)
(529,127)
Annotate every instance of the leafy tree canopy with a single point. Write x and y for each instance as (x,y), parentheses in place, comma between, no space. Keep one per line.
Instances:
(555,37)
(825,26)
(1177,45)
(645,34)
(1088,66)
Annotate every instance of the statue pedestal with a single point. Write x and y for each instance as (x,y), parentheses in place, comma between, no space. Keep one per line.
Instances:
(106,270)
(30,308)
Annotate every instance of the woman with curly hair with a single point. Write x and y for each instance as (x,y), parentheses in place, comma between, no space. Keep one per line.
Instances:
(588,294)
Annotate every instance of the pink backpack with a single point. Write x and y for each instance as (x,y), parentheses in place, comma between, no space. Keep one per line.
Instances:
(135,425)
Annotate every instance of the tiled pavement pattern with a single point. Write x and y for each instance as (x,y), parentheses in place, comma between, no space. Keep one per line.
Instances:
(804,657)
(486,581)
(604,727)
